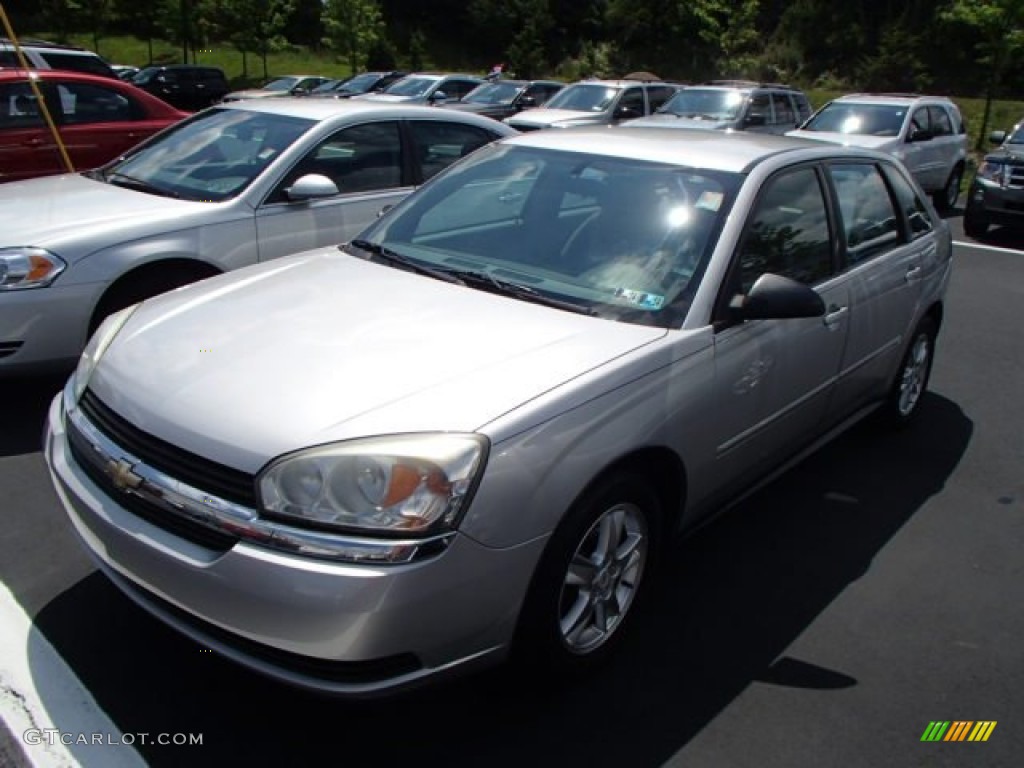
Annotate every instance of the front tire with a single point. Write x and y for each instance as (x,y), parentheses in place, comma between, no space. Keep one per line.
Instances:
(586,589)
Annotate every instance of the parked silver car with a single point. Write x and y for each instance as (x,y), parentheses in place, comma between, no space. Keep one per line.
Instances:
(595,102)
(926,133)
(469,432)
(232,186)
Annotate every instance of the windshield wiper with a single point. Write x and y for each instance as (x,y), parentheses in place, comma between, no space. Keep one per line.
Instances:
(130,182)
(397,259)
(491,283)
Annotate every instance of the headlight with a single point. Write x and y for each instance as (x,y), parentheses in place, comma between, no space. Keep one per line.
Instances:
(97,345)
(403,484)
(22,268)
(993,172)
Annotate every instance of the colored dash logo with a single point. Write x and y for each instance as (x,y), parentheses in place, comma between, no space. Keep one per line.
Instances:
(958,730)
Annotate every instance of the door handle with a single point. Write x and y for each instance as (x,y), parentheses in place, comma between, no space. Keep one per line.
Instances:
(833,316)
(913,274)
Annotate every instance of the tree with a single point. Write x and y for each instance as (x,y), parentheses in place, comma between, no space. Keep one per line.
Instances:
(1000,26)
(353,27)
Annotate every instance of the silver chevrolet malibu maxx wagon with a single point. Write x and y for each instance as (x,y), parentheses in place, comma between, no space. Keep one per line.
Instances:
(468,433)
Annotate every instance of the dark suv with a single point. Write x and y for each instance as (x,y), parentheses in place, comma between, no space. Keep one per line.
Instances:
(185,86)
(997,192)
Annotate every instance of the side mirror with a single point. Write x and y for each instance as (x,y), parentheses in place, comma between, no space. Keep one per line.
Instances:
(312,186)
(437,96)
(385,209)
(755,120)
(526,102)
(920,134)
(997,137)
(626,113)
(774,297)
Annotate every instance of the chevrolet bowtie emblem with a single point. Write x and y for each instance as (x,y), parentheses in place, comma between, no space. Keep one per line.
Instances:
(120,472)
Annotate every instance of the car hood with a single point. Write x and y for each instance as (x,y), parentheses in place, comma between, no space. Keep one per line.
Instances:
(324,346)
(668,120)
(848,139)
(545,116)
(50,211)
(1012,154)
(255,93)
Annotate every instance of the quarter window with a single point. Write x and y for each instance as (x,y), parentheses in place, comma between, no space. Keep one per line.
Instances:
(788,233)
(870,222)
(918,218)
(783,109)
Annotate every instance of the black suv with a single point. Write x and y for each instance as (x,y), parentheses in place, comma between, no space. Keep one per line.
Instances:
(185,86)
(997,192)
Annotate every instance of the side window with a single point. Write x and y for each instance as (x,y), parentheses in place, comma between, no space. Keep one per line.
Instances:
(803,106)
(760,111)
(783,109)
(440,143)
(18,107)
(658,95)
(91,64)
(361,158)
(85,103)
(940,122)
(919,120)
(788,231)
(456,89)
(870,222)
(919,220)
(631,104)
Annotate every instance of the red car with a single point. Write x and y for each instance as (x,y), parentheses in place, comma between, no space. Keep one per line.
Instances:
(98,118)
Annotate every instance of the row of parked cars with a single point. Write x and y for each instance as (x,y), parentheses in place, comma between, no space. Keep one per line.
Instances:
(498,373)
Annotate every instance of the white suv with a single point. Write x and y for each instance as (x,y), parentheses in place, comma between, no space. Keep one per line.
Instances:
(926,132)
(42,54)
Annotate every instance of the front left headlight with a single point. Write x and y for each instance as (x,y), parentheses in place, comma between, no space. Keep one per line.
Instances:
(993,172)
(94,350)
(403,484)
(22,268)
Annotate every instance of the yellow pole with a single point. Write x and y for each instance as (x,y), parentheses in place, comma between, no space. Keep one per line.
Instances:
(34,85)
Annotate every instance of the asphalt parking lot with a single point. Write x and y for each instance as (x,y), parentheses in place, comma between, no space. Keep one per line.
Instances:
(827,620)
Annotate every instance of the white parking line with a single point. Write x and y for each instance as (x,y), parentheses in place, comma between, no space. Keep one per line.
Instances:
(48,712)
(981,247)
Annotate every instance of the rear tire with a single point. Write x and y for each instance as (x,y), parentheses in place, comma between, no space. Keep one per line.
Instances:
(945,199)
(586,588)
(911,382)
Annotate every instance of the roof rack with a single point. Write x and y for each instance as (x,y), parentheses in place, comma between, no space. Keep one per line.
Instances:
(892,94)
(747,84)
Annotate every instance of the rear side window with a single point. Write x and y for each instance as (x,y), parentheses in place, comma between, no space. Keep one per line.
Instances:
(869,219)
(783,109)
(658,95)
(439,143)
(914,209)
(86,103)
(940,122)
(803,106)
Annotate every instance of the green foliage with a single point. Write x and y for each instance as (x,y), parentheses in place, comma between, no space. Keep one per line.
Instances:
(353,27)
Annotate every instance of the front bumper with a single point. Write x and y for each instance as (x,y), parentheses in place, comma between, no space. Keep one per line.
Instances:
(44,328)
(340,628)
(997,204)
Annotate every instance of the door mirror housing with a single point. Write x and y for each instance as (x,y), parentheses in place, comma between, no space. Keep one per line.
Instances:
(775,297)
(312,186)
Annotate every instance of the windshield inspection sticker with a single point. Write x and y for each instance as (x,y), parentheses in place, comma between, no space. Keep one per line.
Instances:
(710,201)
(640,298)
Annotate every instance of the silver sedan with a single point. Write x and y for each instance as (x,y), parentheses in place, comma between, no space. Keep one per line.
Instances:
(231,186)
(468,433)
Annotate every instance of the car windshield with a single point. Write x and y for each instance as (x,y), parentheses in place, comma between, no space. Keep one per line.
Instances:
(862,119)
(144,75)
(493,93)
(584,97)
(706,103)
(360,83)
(281,84)
(620,238)
(411,86)
(209,157)
(1017,137)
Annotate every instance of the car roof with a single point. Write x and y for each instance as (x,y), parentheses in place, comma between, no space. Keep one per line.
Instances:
(17,73)
(321,109)
(622,83)
(896,99)
(731,151)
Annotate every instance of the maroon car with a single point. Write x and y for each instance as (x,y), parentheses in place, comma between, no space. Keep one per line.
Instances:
(98,118)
